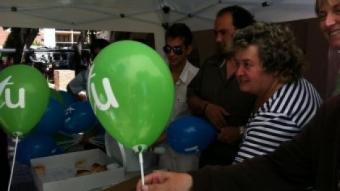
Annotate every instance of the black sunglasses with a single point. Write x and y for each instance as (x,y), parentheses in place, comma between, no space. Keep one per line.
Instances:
(176,50)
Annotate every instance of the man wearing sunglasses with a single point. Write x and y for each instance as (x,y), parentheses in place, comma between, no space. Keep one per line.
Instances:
(178,47)
(214,93)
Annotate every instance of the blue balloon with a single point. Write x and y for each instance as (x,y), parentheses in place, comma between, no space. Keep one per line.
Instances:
(52,120)
(79,117)
(34,146)
(190,134)
(67,98)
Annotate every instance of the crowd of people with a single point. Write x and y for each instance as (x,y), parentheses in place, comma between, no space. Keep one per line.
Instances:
(256,98)
(289,143)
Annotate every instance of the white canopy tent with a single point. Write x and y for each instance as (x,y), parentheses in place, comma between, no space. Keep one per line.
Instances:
(140,15)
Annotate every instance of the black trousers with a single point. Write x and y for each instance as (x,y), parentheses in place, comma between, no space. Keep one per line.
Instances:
(219,153)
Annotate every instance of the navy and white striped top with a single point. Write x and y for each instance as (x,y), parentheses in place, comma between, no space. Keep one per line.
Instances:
(279,119)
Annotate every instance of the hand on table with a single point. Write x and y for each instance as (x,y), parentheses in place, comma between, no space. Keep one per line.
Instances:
(165,181)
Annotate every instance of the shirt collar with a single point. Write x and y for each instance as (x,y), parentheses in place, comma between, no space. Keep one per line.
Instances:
(183,78)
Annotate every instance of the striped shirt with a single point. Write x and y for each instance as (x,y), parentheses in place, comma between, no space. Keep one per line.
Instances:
(279,119)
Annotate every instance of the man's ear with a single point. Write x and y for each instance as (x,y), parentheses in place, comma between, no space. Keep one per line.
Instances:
(189,49)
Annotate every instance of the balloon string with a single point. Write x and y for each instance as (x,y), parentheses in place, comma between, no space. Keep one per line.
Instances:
(13,163)
(122,151)
(141,167)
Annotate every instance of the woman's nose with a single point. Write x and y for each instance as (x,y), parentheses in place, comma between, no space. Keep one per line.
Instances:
(329,20)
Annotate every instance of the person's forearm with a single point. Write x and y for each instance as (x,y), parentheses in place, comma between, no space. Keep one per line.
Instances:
(252,175)
(197,105)
(216,178)
(285,169)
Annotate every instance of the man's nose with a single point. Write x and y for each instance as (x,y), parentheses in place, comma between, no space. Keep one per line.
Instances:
(239,70)
(171,53)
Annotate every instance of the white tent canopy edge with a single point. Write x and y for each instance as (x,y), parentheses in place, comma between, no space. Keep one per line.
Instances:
(140,15)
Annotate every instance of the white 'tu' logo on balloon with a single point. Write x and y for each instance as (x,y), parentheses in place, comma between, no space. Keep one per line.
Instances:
(8,102)
(111,99)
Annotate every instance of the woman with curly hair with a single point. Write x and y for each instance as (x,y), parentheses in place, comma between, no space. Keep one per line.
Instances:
(270,66)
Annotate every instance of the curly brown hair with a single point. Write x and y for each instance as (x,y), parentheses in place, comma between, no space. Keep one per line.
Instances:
(277,49)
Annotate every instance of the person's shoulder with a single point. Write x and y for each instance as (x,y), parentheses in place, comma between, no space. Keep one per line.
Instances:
(83,73)
(214,60)
(189,72)
(189,66)
(305,82)
(304,86)
(301,86)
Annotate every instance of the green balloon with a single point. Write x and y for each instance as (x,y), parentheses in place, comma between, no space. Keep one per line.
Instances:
(131,91)
(24,97)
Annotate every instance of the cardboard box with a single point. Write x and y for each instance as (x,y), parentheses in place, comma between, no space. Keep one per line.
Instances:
(127,185)
(59,172)
(62,78)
